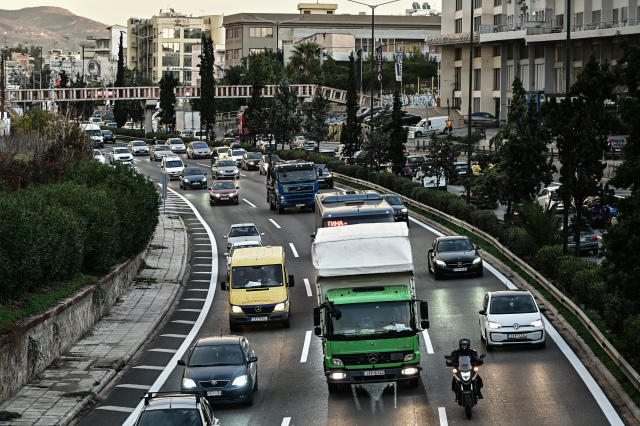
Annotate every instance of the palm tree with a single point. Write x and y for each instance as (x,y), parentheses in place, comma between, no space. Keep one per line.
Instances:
(302,56)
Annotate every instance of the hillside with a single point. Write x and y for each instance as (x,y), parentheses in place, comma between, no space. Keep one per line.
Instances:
(42,26)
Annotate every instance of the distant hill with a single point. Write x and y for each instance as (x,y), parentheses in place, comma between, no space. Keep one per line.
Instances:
(44,25)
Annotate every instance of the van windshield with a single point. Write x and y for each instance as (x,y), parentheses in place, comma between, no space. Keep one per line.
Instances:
(93,132)
(257,276)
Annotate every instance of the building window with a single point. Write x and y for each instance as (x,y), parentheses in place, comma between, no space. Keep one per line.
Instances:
(232,33)
(329,12)
(171,47)
(193,33)
(261,32)
(524,52)
(171,61)
(497,3)
(458,26)
(496,79)
(260,50)
(477,79)
(476,105)
(477,4)
(457,103)
(237,53)
(171,33)
(477,52)
(560,20)
(477,21)
(497,20)
(307,12)
(176,74)
(578,21)
(524,76)
(539,52)
(538,78)
(458,4)
(559,53)
(188,47)
(187,61)
(186,77)
(596,16)
(509,51)
(624,12)
(558,78)
(509,76)
(457,78)
(497,50)
(458,54)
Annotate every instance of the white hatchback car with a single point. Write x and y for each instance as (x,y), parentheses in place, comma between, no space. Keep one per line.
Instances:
(120,154)
(549,197)
(172,166)
(242,232)
(511,317)
(177,145)
(98,156)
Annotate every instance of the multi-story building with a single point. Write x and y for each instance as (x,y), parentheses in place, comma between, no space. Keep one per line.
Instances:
(525,38)
(101,55)
(339,34)
(164,43)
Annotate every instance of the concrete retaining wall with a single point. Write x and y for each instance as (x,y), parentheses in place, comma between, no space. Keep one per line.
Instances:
(26,351)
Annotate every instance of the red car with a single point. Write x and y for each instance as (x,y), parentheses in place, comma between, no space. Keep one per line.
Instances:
(223,191)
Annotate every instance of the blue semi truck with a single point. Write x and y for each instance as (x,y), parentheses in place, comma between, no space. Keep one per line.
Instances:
(292,185)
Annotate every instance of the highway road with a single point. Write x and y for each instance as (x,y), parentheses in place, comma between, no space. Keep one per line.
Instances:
(523,386)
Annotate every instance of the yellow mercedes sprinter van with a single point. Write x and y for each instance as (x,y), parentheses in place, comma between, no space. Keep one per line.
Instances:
(258,287)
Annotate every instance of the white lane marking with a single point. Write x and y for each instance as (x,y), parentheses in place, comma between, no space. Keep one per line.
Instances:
(200,239)
(198,289)
(132,386)
(286,421)
(274,222)
(164,350)
(189,310)
(204,165)
(308,287)
(202,257)
(116,408)
(198,233)
(157,385)
(442,413)
(248,202)
(200,272)
(195,300)
(183,322)
(177,336)
(293,249)
(149,367)
(427,341)
(305,348)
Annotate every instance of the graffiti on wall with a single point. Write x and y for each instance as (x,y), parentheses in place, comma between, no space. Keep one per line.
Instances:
(428,98)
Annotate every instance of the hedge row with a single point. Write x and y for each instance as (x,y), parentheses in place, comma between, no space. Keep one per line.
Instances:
(90,221)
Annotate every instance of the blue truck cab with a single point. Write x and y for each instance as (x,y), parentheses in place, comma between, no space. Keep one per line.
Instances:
(292,184)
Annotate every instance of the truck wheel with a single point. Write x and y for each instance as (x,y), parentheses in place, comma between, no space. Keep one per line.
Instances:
(287,322)
(280,209)
(414,383)
(313,208)
(234,327)
(333,387)
(272,205)
(418,134)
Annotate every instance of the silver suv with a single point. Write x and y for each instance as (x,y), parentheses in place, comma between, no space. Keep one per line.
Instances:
(175,408)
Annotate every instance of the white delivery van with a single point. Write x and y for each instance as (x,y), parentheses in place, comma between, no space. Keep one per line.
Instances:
(93,131)
(428,125)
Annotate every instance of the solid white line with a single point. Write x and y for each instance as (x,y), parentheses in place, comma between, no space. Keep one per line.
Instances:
(114,408)
(178,336)
(198,289)
(195,300)
(198,233)
(286,421)
(305,348)
(189,310)
(200,239)
(200,272)
(293,249)
(308,286)
(131,386)
(248,202)
(163,350)
(274,222)
(427,341)
(157,385)
(202,257)
(442,413)
(149,367)
(183,322)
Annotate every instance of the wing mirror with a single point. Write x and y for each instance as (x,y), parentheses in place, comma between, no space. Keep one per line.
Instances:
(223,285)
(291,281)
(482,312)
(182,362)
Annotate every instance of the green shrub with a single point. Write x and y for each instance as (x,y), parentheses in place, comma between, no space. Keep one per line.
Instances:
(387,180)
(616,312)
(485,220)
(519,242)
(590,290)
(567,269)
(408,187)
(546,261)
(363,173)
(125,132)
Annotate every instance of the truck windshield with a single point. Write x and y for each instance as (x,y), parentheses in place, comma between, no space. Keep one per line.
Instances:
(363,319)
(257,276)
(297,176)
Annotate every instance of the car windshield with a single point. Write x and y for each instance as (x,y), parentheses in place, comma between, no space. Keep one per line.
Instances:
(199,145)
(93,132)
(518,304)
(416,159)
(162,148)
(256,276)
(254,156)
(224,185)
(138,143)
(97,153)
(273,158)
(121,151)
(223,150)
(174,163)
(297,176)
(175,141)
(207,356)
(171,416)
(226,163)
(394,200)
(238,152)
(461,244)
(244,231)
(193,172)
(106,133)
(363,319)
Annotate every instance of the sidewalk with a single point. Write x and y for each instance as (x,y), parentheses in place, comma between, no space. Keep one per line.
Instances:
(70,382)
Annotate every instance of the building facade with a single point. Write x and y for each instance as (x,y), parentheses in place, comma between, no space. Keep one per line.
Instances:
(525,38)
(164,43)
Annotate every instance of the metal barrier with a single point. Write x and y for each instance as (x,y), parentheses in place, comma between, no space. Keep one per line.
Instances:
(626,368)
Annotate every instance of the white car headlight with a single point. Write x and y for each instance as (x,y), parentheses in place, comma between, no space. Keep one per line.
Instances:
(477,261)
(338,376)
(279,307)
(493,325)
(188,383)
(441,264)
(240,381)
(403,210)
(236,309)
(537,323)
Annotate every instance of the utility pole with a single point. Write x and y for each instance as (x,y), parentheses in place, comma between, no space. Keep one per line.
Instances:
(470,95)
(2,81)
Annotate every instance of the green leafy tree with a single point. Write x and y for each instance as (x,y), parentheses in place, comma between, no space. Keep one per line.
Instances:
(304,64)
(522,152)
(376,147)
(582,125)
(440,155)
(397,135)
(351,131)
(260,72)
(284,118)
(120,115)
(207,102)
(316,114)
(168,83)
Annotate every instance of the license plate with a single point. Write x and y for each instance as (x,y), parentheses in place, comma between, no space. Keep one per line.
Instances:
(459,269)
(299,205)
(258,318)
(214,393)
(516,336)
(224,198)
(373,373)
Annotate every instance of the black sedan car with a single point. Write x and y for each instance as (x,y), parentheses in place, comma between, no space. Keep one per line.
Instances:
(325,178)
(108,136)
(400,212)
(454,256)
(226,368)
(193,177)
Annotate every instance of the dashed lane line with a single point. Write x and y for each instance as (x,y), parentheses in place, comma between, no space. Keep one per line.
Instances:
(274,223)
(442,414)
(177,336)
(308,287)
(293,249)
(248,202)
(305,348)
(132,386)
(164,350)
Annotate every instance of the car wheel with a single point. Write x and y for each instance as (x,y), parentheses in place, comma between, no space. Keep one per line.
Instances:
(418,134)
(212,203)
(488,345)
(280,210)
(542,345)
(249,400)
(272,205)
(436,275)
(481,273)
(595,252)
(237,201)
(255,384)
(429,268)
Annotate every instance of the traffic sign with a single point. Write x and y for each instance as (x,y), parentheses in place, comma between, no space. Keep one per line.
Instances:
(449,122)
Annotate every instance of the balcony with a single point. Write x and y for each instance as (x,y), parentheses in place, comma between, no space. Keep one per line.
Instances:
(445,39)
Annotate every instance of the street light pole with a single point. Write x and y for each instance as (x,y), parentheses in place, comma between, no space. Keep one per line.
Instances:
(277,24)
(470,96)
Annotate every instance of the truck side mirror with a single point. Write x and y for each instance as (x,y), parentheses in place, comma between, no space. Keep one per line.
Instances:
(291,281)
(424,324)
(424,311)
(223,285)
(316,316)
(317,331)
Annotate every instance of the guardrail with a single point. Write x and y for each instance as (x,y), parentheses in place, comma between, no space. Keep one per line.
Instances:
(628,371)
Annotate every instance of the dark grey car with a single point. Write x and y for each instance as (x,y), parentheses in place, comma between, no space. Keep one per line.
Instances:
(225,169)
(193,177)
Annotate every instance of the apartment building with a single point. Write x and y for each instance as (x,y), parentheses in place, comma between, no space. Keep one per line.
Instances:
(525,38)
(164,43)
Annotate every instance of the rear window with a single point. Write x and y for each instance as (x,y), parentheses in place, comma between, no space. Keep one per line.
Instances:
(200,145)
(175,141)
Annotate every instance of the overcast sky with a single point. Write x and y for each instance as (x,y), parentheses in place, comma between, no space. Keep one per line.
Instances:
(113,12)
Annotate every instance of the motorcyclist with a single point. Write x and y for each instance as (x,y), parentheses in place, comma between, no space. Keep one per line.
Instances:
(465,350)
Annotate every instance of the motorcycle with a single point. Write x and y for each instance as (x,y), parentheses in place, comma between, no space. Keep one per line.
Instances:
(465,376)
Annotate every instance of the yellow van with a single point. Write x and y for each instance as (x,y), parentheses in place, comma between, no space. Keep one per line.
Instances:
(258,287)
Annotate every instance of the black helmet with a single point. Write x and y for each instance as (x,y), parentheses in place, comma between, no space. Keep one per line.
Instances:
(464,344)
